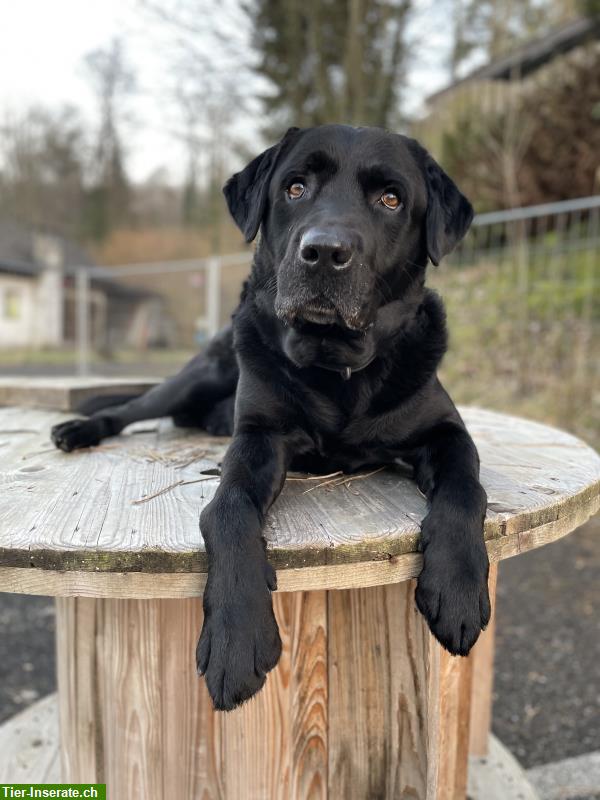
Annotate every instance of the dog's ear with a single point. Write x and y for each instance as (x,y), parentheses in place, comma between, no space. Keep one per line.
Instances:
(246,192)
(449,213)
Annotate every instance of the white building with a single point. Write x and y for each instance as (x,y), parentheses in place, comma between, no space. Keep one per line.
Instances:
(38,297)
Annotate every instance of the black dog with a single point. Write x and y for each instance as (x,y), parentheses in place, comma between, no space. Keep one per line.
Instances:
(332,363)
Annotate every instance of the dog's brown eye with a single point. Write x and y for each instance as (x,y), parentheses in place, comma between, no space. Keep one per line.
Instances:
(296,190)
(390,200)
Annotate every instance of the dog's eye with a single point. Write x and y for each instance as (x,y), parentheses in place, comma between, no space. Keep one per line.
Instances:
(390,200)
(296,190)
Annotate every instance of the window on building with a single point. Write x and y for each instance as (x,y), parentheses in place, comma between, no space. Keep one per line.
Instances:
(12,304)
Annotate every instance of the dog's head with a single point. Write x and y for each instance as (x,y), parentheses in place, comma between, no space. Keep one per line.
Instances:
(349,218)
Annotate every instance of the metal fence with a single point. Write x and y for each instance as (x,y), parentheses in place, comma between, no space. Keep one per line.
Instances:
(177,305)
(522,293)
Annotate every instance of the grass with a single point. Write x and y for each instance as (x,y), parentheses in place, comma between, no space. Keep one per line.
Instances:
(67,357)
(535,353)
(524,339)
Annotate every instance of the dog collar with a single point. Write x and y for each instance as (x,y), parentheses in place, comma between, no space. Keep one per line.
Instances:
(344,372)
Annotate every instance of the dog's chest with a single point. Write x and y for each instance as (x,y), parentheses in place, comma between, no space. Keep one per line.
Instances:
(337,414)
(332,403)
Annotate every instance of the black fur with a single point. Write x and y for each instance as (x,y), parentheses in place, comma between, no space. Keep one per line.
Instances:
(332,360)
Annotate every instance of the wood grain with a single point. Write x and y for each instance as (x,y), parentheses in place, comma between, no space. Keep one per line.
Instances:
(82,755)
(363,704)
(76,512)
(66,394)
(134,714)
(145,585)
(452,732)
(309,696)
(482,658)
(378,688)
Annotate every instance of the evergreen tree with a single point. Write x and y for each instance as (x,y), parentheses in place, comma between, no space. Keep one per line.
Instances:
(330,60)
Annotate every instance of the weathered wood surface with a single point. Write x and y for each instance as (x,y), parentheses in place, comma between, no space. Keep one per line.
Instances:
(72,523)
(482,657)
(363,703)
(29,744)
(67,393)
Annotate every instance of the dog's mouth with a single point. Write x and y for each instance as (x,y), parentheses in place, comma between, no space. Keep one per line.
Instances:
(320,312)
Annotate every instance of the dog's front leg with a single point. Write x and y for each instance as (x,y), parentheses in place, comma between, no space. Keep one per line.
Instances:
(452,590)
(240,641)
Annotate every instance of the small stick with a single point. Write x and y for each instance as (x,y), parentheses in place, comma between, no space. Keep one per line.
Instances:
(197,457)
(38,453)
(344,480)
(367,475)
(314,477)
(168,489)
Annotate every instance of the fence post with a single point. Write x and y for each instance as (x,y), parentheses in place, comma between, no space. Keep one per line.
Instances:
(82,327)
(213,296)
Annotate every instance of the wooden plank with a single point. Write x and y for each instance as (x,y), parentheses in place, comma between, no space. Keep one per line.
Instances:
(256,737)
(451,751)
(145,585)
(66,394)
(81,752)
(378,694)
(29,743)
(135,715)
(79,512)
(309,697)
(190,733)
(482,657)
(129,719)
(276,745)
(133,712)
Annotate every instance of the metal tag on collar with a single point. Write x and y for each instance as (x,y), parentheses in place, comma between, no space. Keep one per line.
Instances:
(346,373)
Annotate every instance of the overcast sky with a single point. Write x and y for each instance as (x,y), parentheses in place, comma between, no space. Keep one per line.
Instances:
(42,46)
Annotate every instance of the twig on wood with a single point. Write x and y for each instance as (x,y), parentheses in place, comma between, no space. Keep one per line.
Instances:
(166,489)
(38,453)
(344,480)
(313,477)
(197,457)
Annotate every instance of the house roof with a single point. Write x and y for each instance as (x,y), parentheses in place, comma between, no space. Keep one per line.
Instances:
(17,251)
(531,55)
(18,257)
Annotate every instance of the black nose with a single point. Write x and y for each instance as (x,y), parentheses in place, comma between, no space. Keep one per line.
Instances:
(327,248)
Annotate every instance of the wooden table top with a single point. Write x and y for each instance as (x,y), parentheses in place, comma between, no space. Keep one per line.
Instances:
(121,520)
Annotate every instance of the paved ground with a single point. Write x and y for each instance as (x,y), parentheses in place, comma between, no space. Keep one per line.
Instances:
(547,700)
(27,670)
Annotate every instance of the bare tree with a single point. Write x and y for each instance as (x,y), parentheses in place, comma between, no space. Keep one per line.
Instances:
(206,84)
(113,83)
(43,157)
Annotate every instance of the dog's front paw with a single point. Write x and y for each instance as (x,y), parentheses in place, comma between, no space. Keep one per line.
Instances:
(76,433)
(240,640)
(452,592)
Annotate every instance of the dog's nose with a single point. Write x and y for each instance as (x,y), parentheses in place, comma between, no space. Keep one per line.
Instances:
(326,248)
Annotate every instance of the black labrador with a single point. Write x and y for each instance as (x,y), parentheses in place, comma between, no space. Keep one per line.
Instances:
(330,364)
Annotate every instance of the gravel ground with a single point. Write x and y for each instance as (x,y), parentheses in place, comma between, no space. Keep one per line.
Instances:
(547,696)
(27,664)
(547,693)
